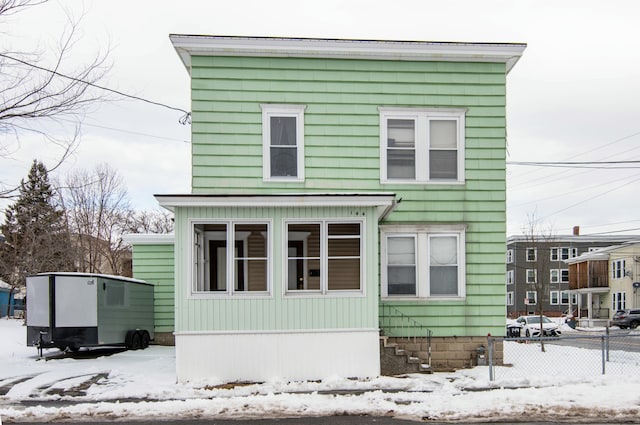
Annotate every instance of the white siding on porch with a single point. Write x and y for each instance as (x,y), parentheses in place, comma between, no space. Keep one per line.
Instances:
(256,357)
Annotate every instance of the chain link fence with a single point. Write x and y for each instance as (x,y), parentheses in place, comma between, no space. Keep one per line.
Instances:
(568,356)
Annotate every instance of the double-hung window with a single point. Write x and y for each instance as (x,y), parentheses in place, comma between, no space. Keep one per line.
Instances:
(618,301)
(532,276)
(423,262)
(617,269)
(419,145)
(230,257)
(324,256)
(283,142)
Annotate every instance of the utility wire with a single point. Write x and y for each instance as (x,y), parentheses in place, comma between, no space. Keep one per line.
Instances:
(185,119)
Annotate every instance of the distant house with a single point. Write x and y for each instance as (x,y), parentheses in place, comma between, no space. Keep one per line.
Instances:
(7,299)
(340,189)
(605,281)
(523,258)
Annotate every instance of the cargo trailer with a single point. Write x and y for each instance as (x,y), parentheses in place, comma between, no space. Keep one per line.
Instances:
(73,310)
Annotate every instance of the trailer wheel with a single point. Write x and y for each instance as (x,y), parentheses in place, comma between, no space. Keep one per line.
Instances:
(144,339)
(132,340)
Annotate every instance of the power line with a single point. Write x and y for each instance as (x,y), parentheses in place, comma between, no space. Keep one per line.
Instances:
(185,119)
(609,165)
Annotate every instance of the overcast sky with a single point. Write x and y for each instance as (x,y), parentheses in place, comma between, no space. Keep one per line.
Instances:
(573,96)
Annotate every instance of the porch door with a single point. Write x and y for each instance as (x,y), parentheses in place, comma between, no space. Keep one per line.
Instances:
(296,265)
(218,265)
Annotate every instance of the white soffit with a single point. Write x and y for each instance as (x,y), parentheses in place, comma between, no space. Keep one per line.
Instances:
(206,45)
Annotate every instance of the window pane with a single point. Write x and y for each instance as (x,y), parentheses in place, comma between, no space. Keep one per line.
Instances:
(344,274)
(401,133)
(443,164)
(443,250)
(344,247)
(283,131)
(344,229)
(251,257)
(401,164)
(443,134)
(444,280)
(401,280)
(401,250)
(443,262)
(284,161)
(303,259)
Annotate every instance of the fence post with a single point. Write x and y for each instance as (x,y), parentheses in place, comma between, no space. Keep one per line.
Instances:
(602,345)
(490,342)
(608,342)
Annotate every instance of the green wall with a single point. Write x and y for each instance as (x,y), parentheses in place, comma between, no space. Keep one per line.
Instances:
(154,263)
(342,152)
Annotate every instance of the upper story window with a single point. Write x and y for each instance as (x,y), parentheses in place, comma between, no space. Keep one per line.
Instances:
(420,145)
(563,253)
(283,142)
(510,277)
(230,257)
(509,256)
(531,254)
(423,262)
(617,269)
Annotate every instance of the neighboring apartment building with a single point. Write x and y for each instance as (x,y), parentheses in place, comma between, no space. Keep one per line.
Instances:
(340,189)
(527,260)
(605,281)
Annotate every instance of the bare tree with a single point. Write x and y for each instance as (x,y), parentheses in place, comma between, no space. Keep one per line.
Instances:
(36,89)
(539,241)
(156,221)
(97,211)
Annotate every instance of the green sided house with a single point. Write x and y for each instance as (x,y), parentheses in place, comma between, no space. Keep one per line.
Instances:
(340,189)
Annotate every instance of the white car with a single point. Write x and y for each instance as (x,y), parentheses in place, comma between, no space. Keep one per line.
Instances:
(531,326)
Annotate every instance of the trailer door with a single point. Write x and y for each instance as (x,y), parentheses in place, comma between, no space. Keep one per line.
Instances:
(38,297)
(76,301)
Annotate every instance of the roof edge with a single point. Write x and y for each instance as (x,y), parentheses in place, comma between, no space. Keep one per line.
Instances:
(188,45)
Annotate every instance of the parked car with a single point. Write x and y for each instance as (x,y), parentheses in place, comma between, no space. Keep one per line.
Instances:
(626,319)
(531,326)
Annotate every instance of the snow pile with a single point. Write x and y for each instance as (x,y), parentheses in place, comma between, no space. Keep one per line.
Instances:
(142,384)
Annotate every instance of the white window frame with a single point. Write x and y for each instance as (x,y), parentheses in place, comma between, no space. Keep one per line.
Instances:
(422,117)
(535,276)
(422,236)
(527,298)
(535,254)
(196,260)
(282,110)
(509,256)
(564,295)
(510,298)
(618,301)
(324,258)
(554,276)
(564,275)
(618,269)
(556,295)
(510,277)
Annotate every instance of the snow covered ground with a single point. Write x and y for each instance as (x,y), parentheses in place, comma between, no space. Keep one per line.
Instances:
(142,384)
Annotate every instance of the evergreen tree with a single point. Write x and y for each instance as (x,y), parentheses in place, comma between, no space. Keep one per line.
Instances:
(36,239)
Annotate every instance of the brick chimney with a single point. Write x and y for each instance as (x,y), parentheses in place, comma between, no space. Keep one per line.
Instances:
(576,230)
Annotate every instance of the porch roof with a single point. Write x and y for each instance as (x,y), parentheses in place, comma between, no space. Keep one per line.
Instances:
(385,202)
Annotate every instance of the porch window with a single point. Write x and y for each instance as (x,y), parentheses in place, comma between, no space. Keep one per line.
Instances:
(283,142)
(423,262)
(230,257)
(324,256)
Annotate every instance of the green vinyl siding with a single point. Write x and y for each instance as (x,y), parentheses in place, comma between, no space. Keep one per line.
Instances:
(342,151)
(154,263)
(276,311)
